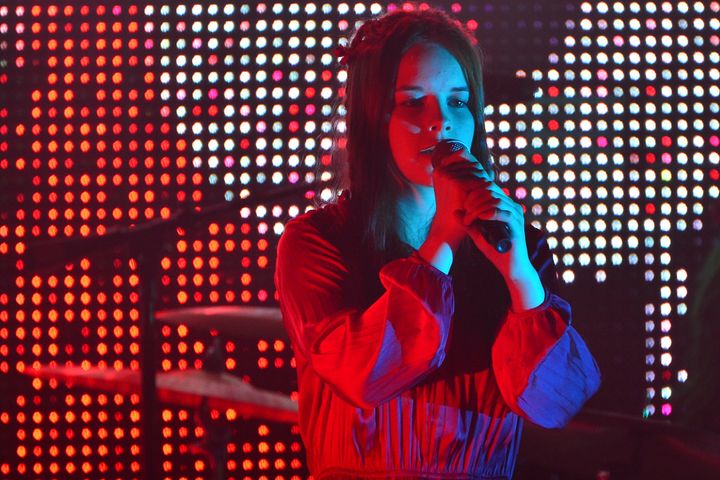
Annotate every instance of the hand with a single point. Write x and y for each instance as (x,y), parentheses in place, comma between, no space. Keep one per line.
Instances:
(453,178)
(488,202)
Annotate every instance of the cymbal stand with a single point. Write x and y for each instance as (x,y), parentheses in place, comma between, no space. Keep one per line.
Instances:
(216,428)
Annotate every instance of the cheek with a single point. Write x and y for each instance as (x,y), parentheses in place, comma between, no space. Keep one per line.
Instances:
(401,125)
(464,129)
(466,125)
(402,132)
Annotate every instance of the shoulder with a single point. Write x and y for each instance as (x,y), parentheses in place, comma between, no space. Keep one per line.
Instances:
(314,251)
(326,225)
(324,221)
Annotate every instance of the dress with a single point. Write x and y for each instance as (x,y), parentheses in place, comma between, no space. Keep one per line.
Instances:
(413,373)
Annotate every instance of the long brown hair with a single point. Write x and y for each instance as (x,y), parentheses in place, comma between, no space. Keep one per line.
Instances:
(372,60)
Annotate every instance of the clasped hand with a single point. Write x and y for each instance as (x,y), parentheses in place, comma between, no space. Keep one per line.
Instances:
(465,195)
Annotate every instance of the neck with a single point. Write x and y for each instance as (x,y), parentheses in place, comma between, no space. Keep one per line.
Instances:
(415,209)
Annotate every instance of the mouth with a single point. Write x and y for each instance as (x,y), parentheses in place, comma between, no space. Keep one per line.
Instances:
(428,151)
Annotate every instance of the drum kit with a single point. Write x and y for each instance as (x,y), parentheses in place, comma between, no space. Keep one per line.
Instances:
(204,391)
(144,243)
(196,388)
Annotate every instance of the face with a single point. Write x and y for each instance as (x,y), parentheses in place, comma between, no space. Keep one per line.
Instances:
(430,104)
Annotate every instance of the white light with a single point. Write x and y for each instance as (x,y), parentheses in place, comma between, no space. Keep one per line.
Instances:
(666,359)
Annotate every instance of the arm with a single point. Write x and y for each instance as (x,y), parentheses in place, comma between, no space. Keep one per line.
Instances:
(544,370)
(369,356)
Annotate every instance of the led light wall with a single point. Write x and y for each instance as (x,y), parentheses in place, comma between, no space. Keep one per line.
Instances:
(121,114)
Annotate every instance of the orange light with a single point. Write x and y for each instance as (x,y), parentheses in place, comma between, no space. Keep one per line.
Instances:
(182,297)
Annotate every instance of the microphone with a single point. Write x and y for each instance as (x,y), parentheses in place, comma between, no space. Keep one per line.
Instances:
(495,232)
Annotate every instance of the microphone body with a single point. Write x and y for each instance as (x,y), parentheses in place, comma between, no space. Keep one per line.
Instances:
(495,232)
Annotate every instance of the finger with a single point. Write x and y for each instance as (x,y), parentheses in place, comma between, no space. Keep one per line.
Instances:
(497,189)
(481,181)
(481,193)
(465,167)
(461,156)
(513,208)
(484,192)
(494,209)
(489,215)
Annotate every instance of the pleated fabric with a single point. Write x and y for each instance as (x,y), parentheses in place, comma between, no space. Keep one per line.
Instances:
(398,378)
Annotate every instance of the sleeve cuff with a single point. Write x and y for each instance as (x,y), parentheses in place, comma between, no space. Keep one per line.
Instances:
(417,258)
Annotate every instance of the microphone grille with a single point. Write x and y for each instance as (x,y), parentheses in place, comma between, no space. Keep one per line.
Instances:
(445,148)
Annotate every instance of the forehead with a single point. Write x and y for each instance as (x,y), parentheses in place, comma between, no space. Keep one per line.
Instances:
(429,66)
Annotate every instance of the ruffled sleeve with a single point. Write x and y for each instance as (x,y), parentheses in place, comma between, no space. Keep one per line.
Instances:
(543,367)
(366,356)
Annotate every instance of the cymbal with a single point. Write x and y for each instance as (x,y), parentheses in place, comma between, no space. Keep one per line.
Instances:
(239,321)
(189,388)
(224,391)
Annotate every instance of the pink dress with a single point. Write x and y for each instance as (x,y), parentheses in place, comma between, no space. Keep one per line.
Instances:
(411,373)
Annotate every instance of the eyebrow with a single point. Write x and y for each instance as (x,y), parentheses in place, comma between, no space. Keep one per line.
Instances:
(405,88)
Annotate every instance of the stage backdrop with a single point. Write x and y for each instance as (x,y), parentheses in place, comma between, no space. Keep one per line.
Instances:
(115,114)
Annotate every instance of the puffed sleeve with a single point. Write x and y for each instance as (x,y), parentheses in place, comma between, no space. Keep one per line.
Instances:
(543,367)
(370,356)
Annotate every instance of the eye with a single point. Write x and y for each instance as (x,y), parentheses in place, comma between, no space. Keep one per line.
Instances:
(412,102)
(458,102)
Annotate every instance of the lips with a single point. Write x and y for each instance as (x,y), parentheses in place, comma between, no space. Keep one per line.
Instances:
(428,151)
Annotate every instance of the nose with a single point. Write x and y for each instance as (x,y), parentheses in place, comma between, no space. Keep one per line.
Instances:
(440,126)
(438,118)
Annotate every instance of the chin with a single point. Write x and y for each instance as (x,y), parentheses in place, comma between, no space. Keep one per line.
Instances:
(425,181)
